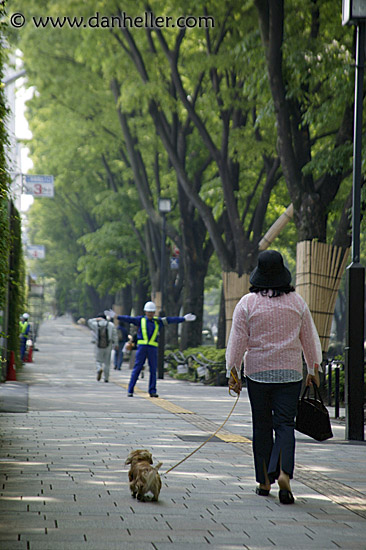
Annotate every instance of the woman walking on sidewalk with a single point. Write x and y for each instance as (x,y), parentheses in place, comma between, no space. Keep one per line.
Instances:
(272,325)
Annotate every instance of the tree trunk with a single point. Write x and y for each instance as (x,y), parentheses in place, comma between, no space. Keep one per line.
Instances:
(140,292)
(221,327)
(340,323)
(173,307)
(123,301)
(234,289)
(191,335)
(95,300)
(310,218)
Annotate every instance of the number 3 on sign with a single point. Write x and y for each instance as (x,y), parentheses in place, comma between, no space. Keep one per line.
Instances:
(38,189)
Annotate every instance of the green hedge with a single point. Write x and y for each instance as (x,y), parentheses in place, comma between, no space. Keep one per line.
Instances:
(4,183)
(4,246)
(17,284)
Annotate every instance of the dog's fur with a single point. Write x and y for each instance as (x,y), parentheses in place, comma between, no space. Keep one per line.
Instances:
(143,477)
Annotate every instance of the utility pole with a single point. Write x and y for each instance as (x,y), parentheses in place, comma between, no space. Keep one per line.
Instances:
(354,12)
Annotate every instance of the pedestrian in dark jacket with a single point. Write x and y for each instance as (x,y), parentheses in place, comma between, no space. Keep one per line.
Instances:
(122,336)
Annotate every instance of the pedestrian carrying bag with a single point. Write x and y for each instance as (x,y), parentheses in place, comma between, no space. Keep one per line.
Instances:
(312,416)
(103,340)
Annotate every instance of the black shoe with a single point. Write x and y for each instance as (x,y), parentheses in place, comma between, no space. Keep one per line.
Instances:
(106,380)
(154,395)
(262,492)
(99,374)
(115,368)
(130,395)
(286,497)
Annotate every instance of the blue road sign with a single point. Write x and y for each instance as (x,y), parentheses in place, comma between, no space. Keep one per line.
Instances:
(36,178)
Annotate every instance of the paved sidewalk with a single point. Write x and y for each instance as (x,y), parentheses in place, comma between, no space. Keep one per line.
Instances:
(65,437)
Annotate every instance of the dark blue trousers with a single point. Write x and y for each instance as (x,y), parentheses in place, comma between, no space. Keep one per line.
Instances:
(23,347)
(118,358)
(151,352)
(274,409)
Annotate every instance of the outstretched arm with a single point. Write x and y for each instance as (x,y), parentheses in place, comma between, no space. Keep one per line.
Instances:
(169,320)
(127,319)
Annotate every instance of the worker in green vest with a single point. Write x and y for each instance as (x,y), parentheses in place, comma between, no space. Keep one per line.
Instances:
(24,328)
(147,342)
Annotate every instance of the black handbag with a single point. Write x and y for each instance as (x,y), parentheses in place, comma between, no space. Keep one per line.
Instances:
(312,416)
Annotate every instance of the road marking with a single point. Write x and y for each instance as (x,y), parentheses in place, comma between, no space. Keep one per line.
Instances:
(163,403)
(176,409)
(233,438)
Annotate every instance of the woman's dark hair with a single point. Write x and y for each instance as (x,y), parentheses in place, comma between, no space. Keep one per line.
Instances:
(272,292)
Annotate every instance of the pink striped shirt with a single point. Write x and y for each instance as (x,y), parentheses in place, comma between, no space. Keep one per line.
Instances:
(271,333)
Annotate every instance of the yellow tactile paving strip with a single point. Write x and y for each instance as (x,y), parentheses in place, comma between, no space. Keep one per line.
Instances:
(224,435)
(163,403)
(233,438)
(341,494)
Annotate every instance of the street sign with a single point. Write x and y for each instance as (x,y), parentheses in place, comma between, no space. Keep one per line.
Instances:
(38,185)
(36,290)
(36,251)
(353,11)
(174,263)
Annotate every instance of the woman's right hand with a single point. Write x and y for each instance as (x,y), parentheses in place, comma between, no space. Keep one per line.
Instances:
(234,383)
(313,378)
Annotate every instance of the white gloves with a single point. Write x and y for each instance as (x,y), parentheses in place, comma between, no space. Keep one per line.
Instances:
(109,313)
(189,317)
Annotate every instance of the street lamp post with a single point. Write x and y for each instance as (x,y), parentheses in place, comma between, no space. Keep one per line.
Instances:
(165,206)
(354,12)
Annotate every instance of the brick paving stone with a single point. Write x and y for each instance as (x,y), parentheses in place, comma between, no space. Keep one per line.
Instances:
(64,485)
(91,545)
(15,545)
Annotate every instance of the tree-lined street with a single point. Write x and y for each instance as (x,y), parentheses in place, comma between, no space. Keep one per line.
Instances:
(229,119)
(172,142)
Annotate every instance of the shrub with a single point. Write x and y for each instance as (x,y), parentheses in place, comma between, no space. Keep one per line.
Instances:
(215,373)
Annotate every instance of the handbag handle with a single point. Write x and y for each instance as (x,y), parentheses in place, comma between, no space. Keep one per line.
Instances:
(317,395)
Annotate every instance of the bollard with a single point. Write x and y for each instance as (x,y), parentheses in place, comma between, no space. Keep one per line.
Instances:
(29,354)
(329,384)
(336,410)
(10,374)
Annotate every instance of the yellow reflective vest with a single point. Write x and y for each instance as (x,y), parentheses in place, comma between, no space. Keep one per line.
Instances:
(23,327)
(145,341)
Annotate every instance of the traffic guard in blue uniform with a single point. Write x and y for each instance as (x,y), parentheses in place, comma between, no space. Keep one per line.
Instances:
(147,342)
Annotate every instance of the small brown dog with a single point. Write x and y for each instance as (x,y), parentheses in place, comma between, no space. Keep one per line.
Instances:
(143,477)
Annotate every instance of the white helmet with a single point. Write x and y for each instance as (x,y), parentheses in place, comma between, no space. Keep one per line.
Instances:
(149,306)
(25,316)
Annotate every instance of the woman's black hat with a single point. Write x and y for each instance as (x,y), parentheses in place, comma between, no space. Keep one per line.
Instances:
(270,271)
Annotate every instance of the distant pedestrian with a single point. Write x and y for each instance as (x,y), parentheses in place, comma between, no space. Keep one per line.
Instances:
(272,325)
(24,333)
(147,342)
(105,335)
(122,336)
